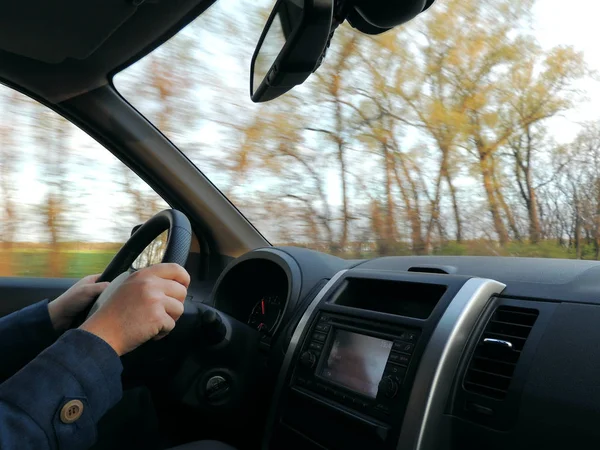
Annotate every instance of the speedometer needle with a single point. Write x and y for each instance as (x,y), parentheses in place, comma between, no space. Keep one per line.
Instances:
(262,306)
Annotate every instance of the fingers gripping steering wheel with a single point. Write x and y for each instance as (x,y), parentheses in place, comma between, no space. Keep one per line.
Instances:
(177,249)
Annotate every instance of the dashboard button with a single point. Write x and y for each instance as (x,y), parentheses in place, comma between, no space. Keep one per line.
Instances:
(395,369)
(383,408)
(409,336)
(324,319)
(315,346)
(399,358)
(388,386)
(360,404)
(308,359)
(322,327)
(403,347)
(319,337)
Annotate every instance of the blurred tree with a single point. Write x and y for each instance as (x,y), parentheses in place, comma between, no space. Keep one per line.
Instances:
(52,135)
(487,41)
(380,114)
(274,151)
(433,105)
(9,161)
(143,202)
(538,88)
(165,84)
(471,77)
(332,94)
(581,182)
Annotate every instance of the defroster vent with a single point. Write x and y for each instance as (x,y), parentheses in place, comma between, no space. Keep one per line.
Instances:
(495,358)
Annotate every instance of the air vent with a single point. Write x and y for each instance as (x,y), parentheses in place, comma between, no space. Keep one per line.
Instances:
(496,356)
(429,268)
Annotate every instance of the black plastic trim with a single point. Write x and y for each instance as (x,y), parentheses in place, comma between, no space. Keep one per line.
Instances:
(285,262)
(504,412)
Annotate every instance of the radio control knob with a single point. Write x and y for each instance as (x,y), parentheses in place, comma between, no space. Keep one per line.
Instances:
(388,386)
(308,359)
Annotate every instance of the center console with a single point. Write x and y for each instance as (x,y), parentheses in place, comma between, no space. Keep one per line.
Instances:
(356,362)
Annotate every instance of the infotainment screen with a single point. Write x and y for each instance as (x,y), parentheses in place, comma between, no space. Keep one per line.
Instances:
(357,361)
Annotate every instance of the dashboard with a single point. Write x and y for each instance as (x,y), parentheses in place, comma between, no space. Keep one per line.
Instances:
(421,352)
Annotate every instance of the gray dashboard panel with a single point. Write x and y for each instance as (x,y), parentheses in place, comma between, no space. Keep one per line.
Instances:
(566,280)
(560,406)
(545,279)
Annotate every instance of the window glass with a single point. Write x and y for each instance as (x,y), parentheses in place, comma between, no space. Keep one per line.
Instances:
(153,254)
(66,203)
(472,130)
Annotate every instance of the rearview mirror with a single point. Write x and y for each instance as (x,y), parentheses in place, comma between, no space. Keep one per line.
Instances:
(290,47)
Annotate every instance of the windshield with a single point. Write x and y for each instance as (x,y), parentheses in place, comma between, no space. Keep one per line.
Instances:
(472,130)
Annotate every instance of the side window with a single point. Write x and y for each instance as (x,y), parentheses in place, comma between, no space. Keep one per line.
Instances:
(66,203)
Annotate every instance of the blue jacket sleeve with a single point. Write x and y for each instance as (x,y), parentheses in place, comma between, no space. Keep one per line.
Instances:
(23,335)
(79,366)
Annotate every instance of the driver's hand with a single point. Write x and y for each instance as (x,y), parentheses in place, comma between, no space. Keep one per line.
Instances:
(145,306)
(64,309)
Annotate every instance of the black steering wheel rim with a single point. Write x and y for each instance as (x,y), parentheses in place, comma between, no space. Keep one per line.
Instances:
(179,241)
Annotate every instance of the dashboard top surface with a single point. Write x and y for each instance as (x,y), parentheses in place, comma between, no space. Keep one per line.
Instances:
(538,278)
(532,270)
(544,279)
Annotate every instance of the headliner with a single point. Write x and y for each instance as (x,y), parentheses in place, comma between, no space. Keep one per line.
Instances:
(58,50)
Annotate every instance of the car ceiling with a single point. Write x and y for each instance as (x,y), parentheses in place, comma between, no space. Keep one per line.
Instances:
(58,50)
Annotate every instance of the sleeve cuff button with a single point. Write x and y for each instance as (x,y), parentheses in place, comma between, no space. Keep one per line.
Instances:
(71,411)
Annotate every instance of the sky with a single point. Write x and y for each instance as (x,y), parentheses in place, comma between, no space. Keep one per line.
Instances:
(572,23)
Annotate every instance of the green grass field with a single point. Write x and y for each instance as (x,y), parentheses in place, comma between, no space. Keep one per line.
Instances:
(33,263)
(76,263)
(545,249)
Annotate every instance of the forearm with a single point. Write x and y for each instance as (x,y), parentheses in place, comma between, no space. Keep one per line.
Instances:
(23,335)
(79,366)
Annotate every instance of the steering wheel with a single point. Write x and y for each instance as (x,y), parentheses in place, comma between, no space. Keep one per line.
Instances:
(177,249)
